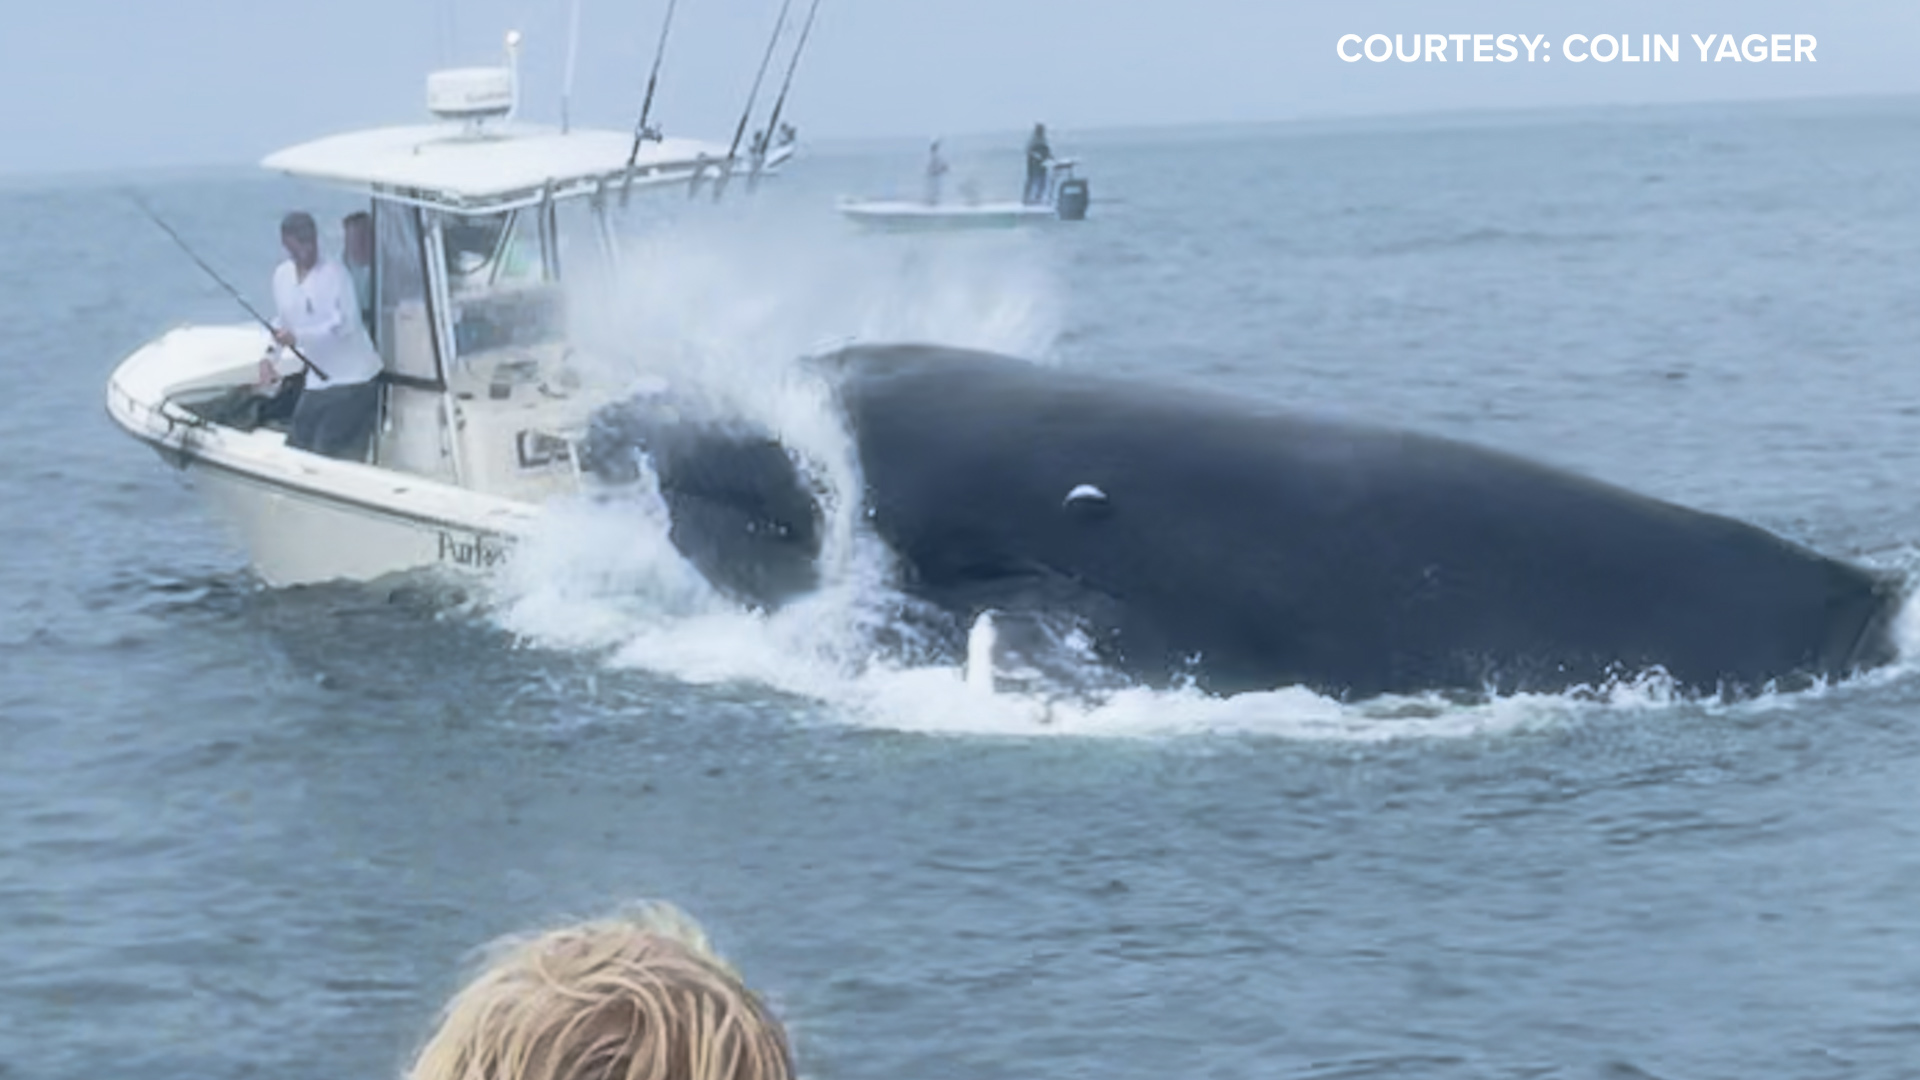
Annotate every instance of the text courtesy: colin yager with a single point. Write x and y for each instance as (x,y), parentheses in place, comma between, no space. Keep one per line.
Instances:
(1577,48)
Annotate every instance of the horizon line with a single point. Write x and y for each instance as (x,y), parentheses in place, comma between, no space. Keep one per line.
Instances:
(1379,120)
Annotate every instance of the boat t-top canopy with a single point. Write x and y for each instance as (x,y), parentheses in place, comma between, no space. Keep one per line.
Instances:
(452,166)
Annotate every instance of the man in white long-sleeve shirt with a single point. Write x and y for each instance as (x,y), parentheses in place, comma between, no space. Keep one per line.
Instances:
(319,315)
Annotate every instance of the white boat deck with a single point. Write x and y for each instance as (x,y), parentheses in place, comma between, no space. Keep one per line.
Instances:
(907,214)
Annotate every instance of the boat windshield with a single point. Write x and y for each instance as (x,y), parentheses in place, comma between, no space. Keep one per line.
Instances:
(502,279)
(502,273)
(402,329)
(493,250)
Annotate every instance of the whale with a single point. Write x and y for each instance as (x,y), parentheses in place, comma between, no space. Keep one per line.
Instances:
(1182,537)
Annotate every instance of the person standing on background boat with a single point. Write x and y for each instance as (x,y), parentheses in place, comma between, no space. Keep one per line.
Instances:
(1038,154)
(936,173)
(319,314)
(356,254)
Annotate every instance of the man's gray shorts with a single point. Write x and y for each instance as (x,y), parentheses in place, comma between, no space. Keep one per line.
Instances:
(336,420)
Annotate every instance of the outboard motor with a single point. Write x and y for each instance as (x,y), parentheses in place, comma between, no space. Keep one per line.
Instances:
(1071,201)
(1070,196)
(743,514)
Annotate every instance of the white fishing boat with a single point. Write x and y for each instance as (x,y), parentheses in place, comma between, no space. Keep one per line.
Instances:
(1066,200)
(482,400)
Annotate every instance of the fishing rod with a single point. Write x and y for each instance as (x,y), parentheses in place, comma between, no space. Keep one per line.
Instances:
(220,281)
(734,149)
(640,131)
(792,65)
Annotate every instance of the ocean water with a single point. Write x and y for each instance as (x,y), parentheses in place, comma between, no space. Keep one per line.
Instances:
(248,832)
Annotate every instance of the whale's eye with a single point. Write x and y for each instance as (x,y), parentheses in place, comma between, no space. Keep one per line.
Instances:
(1084,493)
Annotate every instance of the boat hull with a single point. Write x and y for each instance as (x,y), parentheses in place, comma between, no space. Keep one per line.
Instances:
(301,518)
(906,216)
(300,536)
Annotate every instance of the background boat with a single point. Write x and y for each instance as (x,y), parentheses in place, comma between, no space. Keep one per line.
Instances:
(1066,199)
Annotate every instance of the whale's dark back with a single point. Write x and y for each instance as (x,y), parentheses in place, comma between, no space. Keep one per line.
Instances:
(1248,548)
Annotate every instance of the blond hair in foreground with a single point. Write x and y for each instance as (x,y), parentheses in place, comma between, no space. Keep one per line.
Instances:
(640,996)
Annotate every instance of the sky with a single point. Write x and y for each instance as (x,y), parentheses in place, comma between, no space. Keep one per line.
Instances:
(96,85)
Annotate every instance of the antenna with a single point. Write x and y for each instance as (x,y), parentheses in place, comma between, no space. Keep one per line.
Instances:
(573,52)
(513,71)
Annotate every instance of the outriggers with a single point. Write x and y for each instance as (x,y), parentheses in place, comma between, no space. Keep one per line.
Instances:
(479,222)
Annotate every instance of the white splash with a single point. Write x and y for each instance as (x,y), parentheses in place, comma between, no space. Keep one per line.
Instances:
(979,669)
(727,309)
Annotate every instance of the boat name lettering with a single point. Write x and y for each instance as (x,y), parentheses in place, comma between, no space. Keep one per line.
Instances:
(470,550)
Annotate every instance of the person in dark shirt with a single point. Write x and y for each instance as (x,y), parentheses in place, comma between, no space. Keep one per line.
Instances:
(1038,155)
(936,172)
(356,254)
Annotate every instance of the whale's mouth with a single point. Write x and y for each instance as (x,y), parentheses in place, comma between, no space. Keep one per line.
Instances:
(743,509)
(1875,644)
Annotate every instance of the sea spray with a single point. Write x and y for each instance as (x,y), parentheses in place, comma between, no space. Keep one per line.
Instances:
(726,311)
(979,671)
